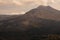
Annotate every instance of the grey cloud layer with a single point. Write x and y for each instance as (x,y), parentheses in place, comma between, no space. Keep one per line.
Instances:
(21,6)
(18,5)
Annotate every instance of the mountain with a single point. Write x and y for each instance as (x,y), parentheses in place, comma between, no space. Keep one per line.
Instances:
(34,25)
(7,17)
(45,12)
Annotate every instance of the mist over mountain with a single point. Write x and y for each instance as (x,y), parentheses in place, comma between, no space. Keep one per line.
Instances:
(43,20)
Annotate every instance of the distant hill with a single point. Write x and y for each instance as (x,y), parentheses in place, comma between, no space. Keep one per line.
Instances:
(36,23)
(7,17)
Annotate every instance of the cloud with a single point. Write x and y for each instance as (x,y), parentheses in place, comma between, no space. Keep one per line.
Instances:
(17,2)
(11,12)
(22,6)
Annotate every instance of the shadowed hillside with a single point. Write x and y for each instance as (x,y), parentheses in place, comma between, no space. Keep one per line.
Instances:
(42,23)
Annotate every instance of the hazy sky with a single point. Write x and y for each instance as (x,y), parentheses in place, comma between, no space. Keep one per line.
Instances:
(22,6)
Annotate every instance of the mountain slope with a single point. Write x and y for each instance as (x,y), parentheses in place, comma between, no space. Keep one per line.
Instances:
(32,25)
(46,12)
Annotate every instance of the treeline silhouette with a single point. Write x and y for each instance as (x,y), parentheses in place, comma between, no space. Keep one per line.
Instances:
(30,26)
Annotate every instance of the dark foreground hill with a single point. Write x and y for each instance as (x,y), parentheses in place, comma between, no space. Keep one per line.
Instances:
(42,23)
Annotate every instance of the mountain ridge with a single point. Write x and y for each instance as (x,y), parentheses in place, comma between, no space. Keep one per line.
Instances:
(45,12)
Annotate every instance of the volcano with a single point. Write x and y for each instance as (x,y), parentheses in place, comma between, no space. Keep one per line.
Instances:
(43,20)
